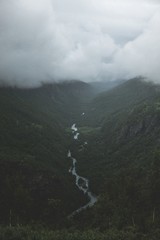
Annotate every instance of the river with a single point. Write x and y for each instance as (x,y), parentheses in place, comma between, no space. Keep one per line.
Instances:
(81,182)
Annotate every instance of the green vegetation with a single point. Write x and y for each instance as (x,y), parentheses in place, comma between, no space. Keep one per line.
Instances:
(27,233)
(33,154)
(117,150)
(122,160)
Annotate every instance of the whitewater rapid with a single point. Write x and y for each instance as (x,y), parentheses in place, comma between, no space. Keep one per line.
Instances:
(81,182)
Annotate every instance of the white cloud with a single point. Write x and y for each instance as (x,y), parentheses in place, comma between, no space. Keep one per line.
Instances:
(142,55)
(48,40)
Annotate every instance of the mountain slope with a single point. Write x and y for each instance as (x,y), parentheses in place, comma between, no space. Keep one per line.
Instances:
(117,150)
(121,99)
(122,156)
(34,144)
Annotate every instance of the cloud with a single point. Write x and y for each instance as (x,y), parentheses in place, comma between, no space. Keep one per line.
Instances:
(51,40)
(142,55)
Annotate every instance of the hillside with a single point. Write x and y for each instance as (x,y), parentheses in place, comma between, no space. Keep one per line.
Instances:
(33,154)
(120,99)
(120,158)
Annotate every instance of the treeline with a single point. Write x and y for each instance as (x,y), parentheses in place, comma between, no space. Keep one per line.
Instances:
(28,233)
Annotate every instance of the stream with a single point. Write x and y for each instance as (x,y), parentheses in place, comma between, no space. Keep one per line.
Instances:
(81,182)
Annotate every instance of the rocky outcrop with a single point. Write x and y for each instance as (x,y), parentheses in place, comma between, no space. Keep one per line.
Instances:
(144,126)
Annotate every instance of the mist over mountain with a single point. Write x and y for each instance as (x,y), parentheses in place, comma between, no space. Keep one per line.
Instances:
(48,41)
(116,151)
(80,119)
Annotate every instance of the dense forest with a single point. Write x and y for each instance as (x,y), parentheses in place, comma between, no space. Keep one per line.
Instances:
(121,125)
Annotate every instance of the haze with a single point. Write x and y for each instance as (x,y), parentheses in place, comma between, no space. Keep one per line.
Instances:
(90,40)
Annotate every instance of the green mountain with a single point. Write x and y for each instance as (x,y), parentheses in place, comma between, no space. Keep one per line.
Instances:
(117,150)
(122,156)
(120,99)
(33,153)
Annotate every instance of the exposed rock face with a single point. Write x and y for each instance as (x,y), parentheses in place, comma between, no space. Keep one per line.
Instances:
(143,126)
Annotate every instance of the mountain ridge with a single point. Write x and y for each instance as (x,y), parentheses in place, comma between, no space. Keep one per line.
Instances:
(121,157)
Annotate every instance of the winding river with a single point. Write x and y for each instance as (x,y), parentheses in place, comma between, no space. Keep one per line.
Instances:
(81,182)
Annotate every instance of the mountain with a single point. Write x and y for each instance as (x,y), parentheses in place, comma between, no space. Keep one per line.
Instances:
(33,154)
(122,156)
(117,150)
(103,86)
(120,98)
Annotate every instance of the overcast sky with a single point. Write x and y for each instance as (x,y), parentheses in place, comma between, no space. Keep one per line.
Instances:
(89,40)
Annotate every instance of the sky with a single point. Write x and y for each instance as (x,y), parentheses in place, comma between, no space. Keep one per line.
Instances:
(89,40)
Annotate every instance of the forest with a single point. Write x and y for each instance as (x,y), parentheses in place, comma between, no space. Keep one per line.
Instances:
(121,160)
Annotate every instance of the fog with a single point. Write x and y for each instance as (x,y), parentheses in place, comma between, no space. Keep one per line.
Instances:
(90,40)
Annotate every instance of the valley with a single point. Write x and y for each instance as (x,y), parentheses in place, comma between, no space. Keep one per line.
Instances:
(103,171)
(81,182)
